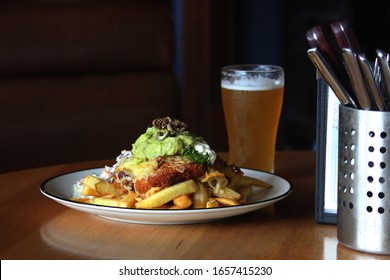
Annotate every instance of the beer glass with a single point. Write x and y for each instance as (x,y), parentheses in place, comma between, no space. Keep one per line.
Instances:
(252,97)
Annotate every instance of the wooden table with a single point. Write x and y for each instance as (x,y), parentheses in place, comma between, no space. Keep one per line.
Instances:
(35,227)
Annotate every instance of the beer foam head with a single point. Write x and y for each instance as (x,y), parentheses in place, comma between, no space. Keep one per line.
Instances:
(252,77)
(251,83)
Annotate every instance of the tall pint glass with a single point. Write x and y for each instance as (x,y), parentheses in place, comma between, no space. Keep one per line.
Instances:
(252,97)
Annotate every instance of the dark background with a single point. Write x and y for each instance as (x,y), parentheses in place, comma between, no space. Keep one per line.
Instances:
(182,44)
(274,32)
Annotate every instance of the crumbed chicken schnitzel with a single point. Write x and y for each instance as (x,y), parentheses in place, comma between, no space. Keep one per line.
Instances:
(169,173)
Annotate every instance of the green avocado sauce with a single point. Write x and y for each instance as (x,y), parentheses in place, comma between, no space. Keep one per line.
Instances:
(158,142)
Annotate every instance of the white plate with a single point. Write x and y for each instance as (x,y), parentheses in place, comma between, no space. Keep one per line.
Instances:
(60,189)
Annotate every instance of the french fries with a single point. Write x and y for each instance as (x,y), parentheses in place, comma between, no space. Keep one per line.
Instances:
(226,201)
(201,196)
(226,192)
(167,194)
(213,190)
(106,188)
(181,202)
(89,183)
(245,192)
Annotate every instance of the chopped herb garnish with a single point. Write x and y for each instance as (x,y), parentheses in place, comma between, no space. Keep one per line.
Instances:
(196,157)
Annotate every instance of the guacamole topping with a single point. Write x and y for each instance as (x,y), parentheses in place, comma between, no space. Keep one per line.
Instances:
(153,143)
(169,137)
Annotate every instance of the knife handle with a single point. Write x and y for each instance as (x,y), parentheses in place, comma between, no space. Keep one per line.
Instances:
(319,37)
(345,36)
(384,66)
(353,69)
(330,77)
(371,84)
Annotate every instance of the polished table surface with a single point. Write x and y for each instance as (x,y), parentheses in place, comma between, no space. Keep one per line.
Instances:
(35,227)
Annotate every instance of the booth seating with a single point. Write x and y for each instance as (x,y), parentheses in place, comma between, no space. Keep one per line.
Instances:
(81,80)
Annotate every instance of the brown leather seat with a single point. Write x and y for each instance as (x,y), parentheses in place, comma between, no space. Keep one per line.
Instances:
(80,80)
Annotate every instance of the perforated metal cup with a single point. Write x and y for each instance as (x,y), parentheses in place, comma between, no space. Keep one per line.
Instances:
(363,211)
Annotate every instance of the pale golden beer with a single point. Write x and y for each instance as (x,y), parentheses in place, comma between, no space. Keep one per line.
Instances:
(252,102)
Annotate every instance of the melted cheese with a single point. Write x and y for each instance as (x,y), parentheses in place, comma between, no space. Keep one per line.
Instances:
(137,168)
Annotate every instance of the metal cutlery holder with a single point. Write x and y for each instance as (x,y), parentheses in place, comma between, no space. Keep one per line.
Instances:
(363,210)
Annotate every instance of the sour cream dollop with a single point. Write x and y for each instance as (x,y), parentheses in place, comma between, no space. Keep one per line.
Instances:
(204,149)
